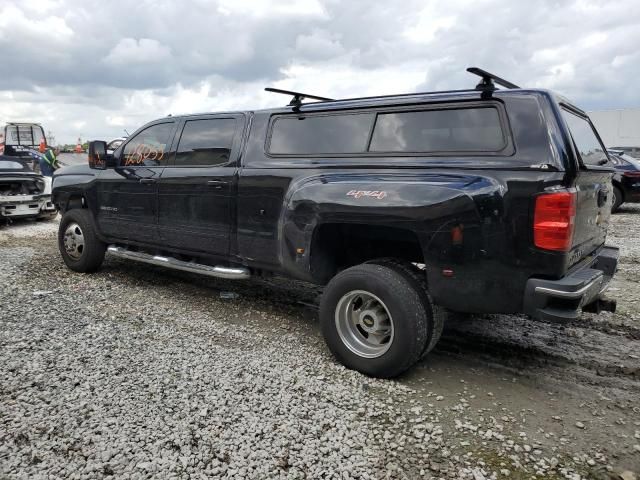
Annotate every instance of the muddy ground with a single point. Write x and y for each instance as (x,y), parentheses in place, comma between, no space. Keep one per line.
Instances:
(500,397)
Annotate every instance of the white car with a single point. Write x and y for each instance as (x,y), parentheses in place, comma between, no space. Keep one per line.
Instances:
(23,193)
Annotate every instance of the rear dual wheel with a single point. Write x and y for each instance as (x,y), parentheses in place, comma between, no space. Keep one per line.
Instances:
(377,318)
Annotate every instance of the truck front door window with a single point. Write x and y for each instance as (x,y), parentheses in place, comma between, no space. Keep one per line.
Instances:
(147,148)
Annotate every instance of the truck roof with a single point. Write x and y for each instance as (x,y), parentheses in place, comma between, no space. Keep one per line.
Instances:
(397,99)
(484,90)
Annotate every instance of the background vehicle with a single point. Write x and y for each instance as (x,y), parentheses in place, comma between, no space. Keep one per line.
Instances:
(23,193)
(626,181)
(630,151)
(114,144)
(403,206)
(17,138)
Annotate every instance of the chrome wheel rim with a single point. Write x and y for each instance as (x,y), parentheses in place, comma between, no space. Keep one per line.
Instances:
(74,241)
(364,324)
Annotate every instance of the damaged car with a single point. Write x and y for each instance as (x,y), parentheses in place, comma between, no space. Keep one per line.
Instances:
(23,193)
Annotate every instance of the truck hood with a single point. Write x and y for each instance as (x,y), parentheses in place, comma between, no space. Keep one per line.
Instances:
(74,170)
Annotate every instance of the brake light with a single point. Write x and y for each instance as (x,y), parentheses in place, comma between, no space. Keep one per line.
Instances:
(553,221)
(632,174)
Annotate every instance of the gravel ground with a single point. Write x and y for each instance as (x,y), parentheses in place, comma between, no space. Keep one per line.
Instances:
(139,372)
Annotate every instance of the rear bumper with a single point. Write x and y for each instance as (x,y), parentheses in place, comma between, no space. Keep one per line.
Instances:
(559,300)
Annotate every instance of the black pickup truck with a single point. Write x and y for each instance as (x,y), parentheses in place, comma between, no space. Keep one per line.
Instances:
(486,200)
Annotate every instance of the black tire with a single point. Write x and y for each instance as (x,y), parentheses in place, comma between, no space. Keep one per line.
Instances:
(618,198)
(419,280)
(91,256)
(411,318)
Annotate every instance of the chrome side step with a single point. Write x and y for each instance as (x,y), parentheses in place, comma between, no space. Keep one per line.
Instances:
(233,273)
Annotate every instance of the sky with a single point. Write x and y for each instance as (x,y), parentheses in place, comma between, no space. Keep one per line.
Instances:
(93,69)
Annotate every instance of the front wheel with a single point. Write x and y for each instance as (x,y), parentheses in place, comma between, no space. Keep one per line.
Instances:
(374,320)
(80,247)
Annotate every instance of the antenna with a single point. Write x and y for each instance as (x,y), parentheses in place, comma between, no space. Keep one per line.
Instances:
(296,101)
(488,79)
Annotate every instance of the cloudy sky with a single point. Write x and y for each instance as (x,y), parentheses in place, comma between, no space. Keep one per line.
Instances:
(94,68)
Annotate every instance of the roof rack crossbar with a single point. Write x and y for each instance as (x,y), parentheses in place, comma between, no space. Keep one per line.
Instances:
(486,86)
(488,80)
(296,101)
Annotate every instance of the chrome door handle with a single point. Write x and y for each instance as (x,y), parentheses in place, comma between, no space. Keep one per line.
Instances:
(147,180)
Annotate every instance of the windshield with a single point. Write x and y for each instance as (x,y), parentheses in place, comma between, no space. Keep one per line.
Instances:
(591,151)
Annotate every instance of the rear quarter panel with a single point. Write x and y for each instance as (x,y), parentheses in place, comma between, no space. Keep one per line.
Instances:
(489,262)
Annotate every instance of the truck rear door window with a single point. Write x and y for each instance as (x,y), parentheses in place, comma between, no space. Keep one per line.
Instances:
(206,142)
(321,134)
(450,130)
(589,148)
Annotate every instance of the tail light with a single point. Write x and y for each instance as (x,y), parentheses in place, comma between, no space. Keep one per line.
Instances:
(553,221)
(632,174)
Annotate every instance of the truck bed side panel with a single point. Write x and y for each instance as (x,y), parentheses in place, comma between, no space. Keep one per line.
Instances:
(280,208)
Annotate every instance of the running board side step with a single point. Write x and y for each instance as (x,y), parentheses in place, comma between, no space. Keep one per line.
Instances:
(233,273)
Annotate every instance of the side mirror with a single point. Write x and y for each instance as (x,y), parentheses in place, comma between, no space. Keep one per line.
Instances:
(98,157)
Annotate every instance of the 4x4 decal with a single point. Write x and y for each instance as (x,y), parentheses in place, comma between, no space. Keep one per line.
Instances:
(377,194)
